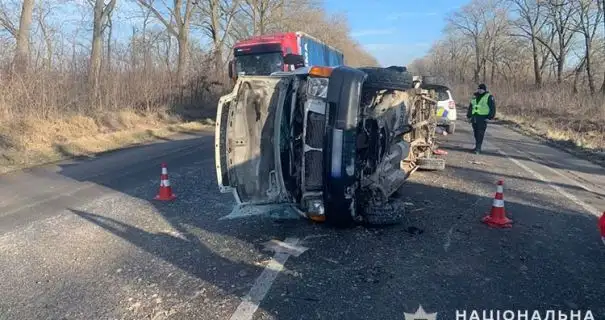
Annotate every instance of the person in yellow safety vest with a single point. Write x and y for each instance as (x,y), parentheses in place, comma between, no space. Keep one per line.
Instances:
(481,109)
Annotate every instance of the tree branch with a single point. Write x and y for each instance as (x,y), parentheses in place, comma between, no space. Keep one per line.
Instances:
(169,26)
(7,23)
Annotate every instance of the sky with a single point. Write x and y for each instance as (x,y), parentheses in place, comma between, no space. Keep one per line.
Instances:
(396,31)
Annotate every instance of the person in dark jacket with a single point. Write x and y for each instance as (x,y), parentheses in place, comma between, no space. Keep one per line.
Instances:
(481,109)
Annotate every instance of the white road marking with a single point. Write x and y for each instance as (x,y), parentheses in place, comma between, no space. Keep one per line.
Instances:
(280,246)
(257,293)
(448,239)
(448,236)
(559,173)
(590,209)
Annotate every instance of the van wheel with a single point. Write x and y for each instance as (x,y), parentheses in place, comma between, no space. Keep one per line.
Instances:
(384,78)
(451,128)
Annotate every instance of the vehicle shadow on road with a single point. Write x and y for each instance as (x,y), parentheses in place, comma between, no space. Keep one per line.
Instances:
(446,267)
(181,249)
(226,254)
(547,260)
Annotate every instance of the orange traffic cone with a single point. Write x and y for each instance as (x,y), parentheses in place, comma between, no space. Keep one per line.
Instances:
(497,217)
(165,193)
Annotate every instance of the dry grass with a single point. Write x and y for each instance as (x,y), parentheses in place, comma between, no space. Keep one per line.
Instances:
(554,113)
(30,141)
(48,115)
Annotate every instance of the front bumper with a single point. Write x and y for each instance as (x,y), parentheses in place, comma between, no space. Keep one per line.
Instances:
(340,151)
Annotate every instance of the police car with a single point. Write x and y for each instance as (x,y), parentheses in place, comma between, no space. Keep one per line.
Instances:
(446,109)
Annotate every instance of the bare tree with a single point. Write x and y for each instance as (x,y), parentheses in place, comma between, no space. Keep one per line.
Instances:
(496,35)
(216,18)
(469,22)
(82,68)
(530,23)
(177,24)
(601,5)
(5,20)
(22,35)
(101,12)
(586,22)
(46,30)
(109,37)
(260,13)
(559,14)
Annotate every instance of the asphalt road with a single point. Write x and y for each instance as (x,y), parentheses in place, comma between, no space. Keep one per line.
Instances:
(86,240)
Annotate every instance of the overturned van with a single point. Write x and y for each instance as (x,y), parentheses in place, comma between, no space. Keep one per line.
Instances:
(332,142)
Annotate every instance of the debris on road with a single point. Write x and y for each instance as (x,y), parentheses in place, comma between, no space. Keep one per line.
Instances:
(440,152)
(280,246)
(414,231)
(330,260)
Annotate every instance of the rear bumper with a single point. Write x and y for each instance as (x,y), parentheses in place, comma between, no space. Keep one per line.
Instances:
(445,122)
(344,94)
(446,115)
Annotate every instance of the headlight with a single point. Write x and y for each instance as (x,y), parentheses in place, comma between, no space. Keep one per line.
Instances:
(317,87)
(315,206)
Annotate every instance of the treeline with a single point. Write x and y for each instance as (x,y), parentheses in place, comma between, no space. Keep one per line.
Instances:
(524,41)
(60,57)
(544,60)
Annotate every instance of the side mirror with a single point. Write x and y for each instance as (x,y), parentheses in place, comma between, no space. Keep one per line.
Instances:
(294,59)
(231,67)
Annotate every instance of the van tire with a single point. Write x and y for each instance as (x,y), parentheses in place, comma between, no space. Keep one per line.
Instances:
(391,213)
(430,80)
(384,78)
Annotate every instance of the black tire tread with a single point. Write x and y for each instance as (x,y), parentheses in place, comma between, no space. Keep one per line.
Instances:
(430,80)
(391,213)
(383,78)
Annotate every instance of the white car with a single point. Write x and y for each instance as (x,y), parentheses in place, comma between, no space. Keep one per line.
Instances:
(446,109)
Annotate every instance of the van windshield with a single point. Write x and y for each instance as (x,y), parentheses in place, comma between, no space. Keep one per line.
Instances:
(259,64)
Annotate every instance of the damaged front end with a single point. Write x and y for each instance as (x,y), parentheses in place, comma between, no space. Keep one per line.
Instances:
(329,142)
(269,141)
(290,138)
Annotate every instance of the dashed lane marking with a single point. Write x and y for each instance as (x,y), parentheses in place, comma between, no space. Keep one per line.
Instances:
(590,209)
(570,180)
